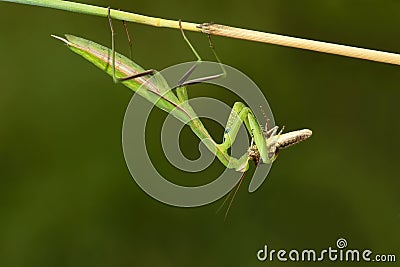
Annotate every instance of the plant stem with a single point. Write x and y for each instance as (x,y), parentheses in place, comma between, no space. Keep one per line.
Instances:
(221,30)
(318,46)
(103,12)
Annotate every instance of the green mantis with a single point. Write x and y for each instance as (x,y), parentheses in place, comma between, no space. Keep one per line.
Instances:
(153,87)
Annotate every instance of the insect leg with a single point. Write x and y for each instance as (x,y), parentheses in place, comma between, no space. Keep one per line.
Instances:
(202,79)
(129,38)
(236,117)
(240,113)
(112,42)
(216,55)
(188,42)
(144,73)
(140,74)
(184,80)
(271,132)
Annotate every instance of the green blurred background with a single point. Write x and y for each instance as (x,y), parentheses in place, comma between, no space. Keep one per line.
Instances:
(67,198)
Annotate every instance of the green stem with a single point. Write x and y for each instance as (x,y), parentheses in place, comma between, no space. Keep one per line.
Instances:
(103,12)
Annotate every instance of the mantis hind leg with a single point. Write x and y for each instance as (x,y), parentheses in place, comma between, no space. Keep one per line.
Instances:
(137,75)
(129,38)
(112,42)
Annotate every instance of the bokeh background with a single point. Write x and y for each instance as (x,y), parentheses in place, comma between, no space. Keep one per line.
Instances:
(67,198)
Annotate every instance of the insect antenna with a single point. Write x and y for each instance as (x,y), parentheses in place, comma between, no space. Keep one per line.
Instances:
(266,119)
(234,195)
(225,200)
(234,190)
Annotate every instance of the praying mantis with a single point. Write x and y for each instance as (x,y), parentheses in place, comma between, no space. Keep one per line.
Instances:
(152,86)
